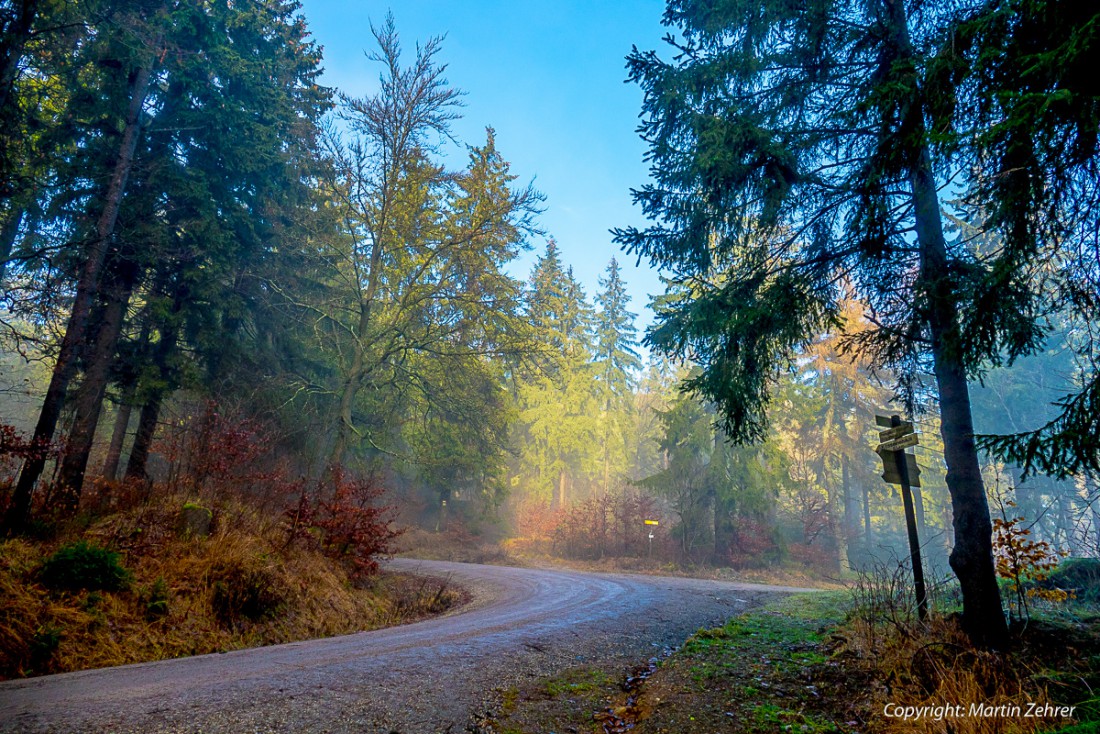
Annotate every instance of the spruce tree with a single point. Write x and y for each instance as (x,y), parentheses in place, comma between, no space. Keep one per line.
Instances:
(616,365)
(132,51)
(798,146)
(556,396)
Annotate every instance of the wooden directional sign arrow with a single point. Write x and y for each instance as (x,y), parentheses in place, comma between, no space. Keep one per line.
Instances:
(896,432)
(898,444)
(891,476)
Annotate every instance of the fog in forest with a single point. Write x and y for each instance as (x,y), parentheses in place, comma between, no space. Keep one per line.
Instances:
(234,300)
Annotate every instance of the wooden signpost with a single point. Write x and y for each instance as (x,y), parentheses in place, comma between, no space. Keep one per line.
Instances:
(901,468)
(651,523)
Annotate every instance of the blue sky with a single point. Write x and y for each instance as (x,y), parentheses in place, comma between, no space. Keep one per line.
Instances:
(548,76)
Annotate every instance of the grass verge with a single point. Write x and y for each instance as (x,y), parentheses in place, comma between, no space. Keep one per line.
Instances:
(765,671)
(807,664)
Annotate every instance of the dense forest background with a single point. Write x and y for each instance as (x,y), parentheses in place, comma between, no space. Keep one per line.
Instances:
(221,278)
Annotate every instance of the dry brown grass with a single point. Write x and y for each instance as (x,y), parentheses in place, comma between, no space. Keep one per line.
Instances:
(933,664)
(240,587)
(939,667)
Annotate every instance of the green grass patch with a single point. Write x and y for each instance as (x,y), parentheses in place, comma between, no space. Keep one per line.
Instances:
(767,669)
(770,717)
(575,681)
(821,606)
(794,620)
(1088,727)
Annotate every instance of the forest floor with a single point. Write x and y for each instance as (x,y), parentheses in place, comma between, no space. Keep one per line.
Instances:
(801,664)
(777,575)
(808,663)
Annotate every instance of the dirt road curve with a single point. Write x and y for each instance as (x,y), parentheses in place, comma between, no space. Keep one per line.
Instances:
(427,677)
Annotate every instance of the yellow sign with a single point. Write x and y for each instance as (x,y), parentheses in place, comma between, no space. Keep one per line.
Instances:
(651,522)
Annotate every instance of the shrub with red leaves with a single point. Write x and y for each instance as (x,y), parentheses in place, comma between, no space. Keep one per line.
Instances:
(221,453)
(583,531)
(15,445)
(536,520)
(814,557)
(215,448)
(344,522)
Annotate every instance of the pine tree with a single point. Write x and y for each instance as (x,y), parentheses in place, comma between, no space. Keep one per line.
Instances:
(687,444)
(202,175)
(216,174)
(546,301)
(1025,111)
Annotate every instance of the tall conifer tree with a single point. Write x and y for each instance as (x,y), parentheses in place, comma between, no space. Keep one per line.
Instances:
(556,398)
(617,365)
(795,146)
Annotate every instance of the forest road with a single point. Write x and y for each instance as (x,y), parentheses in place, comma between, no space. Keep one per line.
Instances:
(431,676)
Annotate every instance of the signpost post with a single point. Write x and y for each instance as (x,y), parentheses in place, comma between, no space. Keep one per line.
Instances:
(651,523)
(901,468)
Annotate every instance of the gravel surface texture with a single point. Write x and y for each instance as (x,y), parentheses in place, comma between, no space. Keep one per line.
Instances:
(433,676)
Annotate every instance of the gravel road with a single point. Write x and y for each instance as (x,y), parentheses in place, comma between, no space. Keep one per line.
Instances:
(433,676)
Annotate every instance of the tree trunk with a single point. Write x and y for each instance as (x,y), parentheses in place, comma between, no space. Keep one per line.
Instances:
(559,498)
(1065,522)
(143,439)
(150,413)
(118,436)
(88,402)
(834,514)
(126,408)
(723,530)
(866,517)
(844,536)
(972,557)
(88,283)
(607,447)
(918,508)
(345,427)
